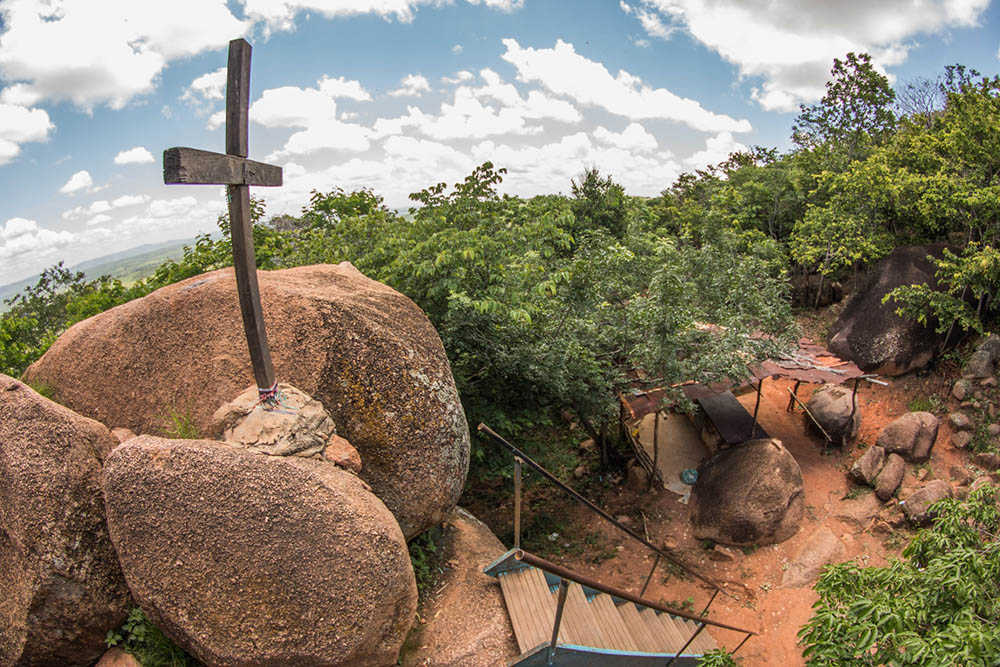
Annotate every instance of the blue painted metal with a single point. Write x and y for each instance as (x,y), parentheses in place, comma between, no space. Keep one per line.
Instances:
(507,563)
(569,655)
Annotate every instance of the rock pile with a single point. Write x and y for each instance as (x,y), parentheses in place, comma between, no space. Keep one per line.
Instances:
(283,543)
(363,350)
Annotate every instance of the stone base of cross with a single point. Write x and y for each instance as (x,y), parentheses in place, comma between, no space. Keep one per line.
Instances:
(237,173)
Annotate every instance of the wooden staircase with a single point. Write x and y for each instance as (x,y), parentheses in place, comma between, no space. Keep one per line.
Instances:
(596,628)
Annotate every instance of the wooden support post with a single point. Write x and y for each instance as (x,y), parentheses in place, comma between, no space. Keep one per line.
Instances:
(517,501)
(656,450)
(560,605)
(756,408)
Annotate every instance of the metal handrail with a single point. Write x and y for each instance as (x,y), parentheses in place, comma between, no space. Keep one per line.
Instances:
(565,574)
(521,457)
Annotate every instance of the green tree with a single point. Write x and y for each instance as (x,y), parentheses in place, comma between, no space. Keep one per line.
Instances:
(937,605)
(854,114)
(599,203)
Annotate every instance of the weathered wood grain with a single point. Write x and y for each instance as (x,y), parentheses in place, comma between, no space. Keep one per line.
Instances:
(196,167)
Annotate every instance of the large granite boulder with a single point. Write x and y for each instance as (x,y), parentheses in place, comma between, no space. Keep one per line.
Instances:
(836,410)
(61,588)
(911,436)
(466,621)
(871,334)
(749,494)
(365,351)
(248,559)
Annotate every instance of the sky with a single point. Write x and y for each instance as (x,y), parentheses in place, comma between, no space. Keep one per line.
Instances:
(397,95)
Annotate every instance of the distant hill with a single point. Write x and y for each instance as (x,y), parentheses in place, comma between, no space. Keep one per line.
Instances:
(127,266)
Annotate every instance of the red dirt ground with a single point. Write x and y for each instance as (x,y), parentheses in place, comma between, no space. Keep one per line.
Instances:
(756,600)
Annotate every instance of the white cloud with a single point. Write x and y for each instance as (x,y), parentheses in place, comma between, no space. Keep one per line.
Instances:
(81,180)
(564,72)
(166,208)
(791,44)
(341,87)
(207,87)
(457,49)
(99,219)
(70,51)
(137,155)
(717,149)
(462,76)
(502,5)
(129,200)
(17,227)
(24,239)
(216,120)
(315,112)
(549,167)
(633,138)
(103,206)
(412,85)
(471,113)
(19,125)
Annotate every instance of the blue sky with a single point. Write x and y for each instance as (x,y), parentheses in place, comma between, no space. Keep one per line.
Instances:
(399,94)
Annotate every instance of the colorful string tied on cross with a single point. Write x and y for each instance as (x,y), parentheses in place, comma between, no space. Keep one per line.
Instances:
(271,398)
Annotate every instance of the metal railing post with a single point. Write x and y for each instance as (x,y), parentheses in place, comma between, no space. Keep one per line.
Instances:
(563,586)
(705,610)
(517,502)
(701,626)
(733,652)
(648,578)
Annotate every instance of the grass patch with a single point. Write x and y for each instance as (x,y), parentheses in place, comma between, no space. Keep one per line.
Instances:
(932,404)
(425,556)
(147,643)
(180,426)
(43,389)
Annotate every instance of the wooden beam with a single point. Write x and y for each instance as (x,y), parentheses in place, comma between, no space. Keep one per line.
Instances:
(196,167)
(246,285)
(238,98)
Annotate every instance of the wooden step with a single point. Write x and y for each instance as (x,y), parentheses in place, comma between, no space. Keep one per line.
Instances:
(526,595)
(615,628)
(665,643)
(678,633)
(644,639)
(703,642)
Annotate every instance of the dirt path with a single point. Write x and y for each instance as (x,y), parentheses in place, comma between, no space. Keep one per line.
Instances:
(753,577)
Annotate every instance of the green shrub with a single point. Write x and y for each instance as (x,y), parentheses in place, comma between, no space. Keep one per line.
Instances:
(147,643)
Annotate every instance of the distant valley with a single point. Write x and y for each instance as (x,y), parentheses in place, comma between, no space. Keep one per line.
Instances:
(127,266)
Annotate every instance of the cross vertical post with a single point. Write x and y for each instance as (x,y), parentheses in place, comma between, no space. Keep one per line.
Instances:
(237,173)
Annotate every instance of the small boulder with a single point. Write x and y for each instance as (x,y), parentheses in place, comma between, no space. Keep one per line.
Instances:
(116,657)
(722,554)
(979,365)
(749,494)
(122,434)
(342,453)
(917,506)
(891,477)
(247,559)
(961,389)
(911,436)
(993,429)
(987,460)
(61,588)
(466,620)
(858,512)
(840,417)
(961,439)
(960,421)
(867,467)
(636,478)
(820,549)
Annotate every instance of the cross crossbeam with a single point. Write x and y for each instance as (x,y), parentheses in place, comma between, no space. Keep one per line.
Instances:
(233,169)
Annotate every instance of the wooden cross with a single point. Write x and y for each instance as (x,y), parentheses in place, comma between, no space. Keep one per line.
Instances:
(237,173)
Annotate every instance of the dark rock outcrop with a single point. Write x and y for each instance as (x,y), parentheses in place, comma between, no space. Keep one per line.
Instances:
(835,411)
(871,334)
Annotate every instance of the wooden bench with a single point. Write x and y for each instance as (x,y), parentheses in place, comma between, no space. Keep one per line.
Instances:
(724,422)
